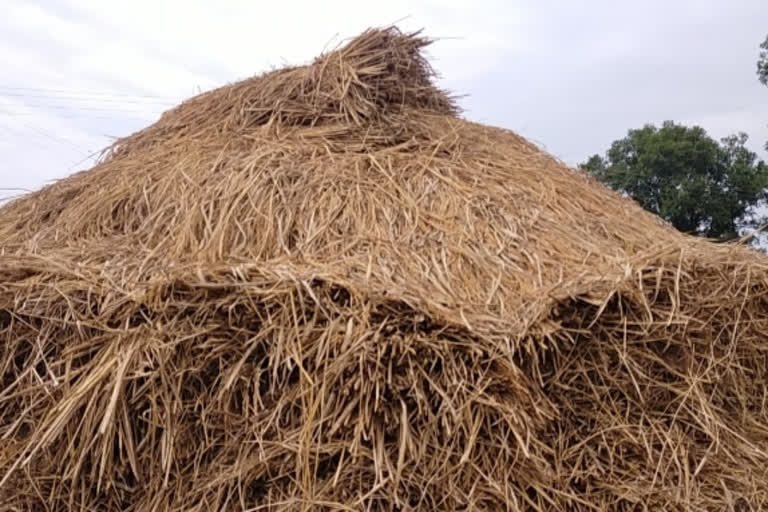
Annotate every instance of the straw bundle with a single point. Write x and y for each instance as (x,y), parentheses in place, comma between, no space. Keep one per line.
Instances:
(320,289)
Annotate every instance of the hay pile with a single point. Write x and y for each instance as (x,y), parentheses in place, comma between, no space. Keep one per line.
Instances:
(320,289)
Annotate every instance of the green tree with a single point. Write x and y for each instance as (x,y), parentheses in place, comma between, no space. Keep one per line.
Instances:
(762,63)
(699,185)
(762,68)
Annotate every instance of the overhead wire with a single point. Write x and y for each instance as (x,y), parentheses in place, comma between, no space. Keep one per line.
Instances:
(72,104)
(88,98)
(75,104)
(77,107)
(55,138)
(79,115)
(84,92)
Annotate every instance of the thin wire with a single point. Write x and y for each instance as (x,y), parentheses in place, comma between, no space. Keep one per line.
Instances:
(9,198)
(76,91)
(56,138)
(95,99)
(37,142)
(93,109)
(74,115)
(80,162)
(17,133)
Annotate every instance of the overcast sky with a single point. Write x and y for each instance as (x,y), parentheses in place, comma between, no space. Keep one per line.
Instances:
(571,76)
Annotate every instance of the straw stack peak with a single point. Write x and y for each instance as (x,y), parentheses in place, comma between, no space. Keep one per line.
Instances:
(376,75)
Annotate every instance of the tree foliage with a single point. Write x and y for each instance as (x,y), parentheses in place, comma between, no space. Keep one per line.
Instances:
(762,67)
(701,186)
(762,63)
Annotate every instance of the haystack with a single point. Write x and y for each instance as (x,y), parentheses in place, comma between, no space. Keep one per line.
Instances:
(321,289)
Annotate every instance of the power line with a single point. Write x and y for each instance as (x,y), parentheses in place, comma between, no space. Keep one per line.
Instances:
(80,162)
(36,141)
(53,137)
(96,99)
(20,134)
(76,115)
(10,198)
(88,108)
(15,189)
(71,104)
(80,91)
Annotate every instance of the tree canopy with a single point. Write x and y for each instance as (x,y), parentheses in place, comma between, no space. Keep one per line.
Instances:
(701,186)
(762,62)
(762,67)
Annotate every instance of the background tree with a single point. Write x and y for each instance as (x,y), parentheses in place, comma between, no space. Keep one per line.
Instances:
(701,186)
(762,63)
(762,67)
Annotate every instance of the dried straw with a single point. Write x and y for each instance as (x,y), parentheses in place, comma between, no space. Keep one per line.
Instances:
(320,289)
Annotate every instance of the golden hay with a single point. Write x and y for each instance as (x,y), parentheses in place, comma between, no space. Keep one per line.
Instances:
(320,289)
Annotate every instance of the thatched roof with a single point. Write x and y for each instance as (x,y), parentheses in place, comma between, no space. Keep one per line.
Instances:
(320,288)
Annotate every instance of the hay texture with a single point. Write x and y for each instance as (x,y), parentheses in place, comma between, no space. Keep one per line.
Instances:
(321,289)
